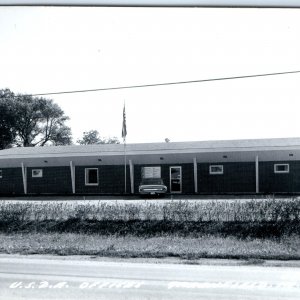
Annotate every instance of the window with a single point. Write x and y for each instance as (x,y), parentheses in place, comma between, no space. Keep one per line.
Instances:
(215,169)
(281,168)
(91,176)
(37,173)
(0,173)
(151,172)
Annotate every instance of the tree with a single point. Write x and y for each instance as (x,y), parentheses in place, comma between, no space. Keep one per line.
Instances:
(34,121)
(111,140)
(7,119)
(93,137)
(62,136)
(90,137)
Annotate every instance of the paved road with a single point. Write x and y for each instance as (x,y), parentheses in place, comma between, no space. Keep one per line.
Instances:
(35,278)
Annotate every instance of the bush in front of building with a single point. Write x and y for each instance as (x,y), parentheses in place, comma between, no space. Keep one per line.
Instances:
(251,218)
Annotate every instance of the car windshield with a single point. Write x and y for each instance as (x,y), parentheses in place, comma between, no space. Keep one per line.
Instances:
(152,181)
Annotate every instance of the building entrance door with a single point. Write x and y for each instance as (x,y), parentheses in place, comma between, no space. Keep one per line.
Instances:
(175,180)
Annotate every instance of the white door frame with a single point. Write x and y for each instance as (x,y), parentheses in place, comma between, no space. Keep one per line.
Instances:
(180,168)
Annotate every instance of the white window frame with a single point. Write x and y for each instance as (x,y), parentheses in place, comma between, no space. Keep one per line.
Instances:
(1,173)
(38,175)
(150,169)
(285,171)
(86,176)
(211,172)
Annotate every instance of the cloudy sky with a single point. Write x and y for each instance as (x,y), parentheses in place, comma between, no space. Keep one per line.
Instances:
(52,49)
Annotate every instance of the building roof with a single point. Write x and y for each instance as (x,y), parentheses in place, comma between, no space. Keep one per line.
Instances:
(153,148)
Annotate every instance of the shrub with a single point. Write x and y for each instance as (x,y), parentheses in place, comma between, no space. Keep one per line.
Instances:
(266,217)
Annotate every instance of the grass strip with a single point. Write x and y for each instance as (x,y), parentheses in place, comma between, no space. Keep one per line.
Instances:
(286,248)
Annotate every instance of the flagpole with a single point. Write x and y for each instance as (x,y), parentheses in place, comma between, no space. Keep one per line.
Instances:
(124,133)
(125,164)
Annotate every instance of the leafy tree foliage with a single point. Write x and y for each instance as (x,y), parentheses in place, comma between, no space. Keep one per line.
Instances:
(111,140)
(93,137)
(32,121)
(7,119)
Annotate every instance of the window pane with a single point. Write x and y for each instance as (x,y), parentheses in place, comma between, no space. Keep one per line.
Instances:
(93,176)
(37,173)
(175,173)
(216,169)
(281,168)
(151,172)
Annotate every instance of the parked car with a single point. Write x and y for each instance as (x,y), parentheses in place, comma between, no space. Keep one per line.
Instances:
(152,186)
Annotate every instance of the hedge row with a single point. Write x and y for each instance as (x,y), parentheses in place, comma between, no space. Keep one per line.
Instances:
(155,228)
(266,210)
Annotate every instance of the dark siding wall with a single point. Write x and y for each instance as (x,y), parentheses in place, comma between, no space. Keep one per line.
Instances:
(237,178)
(270,182)
(11,181)
(55,180)
(111,180)
(188,185)
(187,176)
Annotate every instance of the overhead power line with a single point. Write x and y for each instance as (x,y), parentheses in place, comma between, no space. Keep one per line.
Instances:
(159,3)
(165,83)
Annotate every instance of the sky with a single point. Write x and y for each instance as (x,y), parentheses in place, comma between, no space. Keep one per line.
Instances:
(53,49)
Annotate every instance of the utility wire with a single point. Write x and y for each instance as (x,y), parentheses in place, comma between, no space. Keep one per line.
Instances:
(165,84)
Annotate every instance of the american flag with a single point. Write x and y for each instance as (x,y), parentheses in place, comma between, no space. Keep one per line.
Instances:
(124,130)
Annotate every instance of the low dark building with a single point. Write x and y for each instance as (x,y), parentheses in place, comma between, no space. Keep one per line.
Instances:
(209,167)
